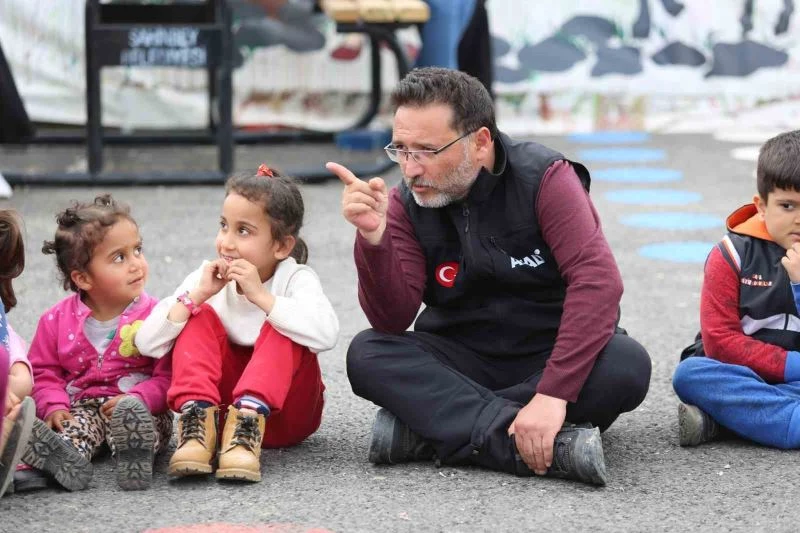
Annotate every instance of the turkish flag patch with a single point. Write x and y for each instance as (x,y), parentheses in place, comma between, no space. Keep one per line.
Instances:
(446,274)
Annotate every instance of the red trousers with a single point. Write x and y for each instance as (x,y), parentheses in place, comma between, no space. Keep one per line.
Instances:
(286,376)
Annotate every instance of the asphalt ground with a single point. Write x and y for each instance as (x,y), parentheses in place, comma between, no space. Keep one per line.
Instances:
(326,482)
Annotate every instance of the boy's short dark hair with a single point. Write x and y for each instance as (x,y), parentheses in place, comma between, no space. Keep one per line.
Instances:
(779,164)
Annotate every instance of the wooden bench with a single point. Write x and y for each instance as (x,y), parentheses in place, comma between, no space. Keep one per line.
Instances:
(377,11)
(378,20)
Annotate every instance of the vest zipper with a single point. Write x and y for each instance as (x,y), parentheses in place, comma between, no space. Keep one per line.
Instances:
(467,238)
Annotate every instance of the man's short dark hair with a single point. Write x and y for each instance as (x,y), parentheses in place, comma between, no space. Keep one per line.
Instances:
(470,101)
(779,164)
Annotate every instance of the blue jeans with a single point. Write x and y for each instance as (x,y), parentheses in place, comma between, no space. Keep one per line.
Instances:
(442,33)
(741,400)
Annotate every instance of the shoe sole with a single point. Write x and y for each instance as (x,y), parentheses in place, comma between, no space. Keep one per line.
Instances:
(29,484)
(133,433)
(590,465)
(189,468)
(690,425)
(239,474)
(54,455)
(382,435)
(16,444)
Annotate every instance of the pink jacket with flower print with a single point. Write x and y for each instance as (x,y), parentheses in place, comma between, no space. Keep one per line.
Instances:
(67,368)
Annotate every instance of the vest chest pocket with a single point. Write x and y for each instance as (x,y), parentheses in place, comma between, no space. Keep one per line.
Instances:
(522,259)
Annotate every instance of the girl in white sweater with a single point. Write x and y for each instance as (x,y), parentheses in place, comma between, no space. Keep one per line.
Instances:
(244,331)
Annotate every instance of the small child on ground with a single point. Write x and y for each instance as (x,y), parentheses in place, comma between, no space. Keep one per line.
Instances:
(749,380)
(18,416)
(91,384)
(12,263)
(20,378)
(245,330)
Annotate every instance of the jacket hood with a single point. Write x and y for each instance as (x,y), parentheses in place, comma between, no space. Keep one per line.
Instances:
(745,221)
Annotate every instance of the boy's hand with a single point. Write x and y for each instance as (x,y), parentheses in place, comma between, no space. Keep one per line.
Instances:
(55,419)
(791,262)
(108,407)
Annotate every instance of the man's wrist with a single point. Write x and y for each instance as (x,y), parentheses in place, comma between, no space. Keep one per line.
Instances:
(374,237)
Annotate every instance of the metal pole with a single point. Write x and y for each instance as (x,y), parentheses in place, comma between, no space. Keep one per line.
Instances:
(94,126)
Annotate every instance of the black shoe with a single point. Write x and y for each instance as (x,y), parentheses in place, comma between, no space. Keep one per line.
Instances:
(47,451)
(133,434)
(393,442)
(578,455)
(30,479)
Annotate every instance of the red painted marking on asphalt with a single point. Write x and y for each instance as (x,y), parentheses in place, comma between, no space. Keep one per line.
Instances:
(239,528)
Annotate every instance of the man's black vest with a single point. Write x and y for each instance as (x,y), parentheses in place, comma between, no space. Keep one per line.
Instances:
(767,310)
(492,281)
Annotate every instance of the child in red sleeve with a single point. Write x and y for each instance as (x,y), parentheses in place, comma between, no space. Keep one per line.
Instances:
(749,379)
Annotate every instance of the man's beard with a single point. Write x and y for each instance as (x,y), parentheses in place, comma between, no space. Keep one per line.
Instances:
(450,188)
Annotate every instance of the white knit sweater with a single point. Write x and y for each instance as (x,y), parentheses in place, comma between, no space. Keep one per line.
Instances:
(302,312)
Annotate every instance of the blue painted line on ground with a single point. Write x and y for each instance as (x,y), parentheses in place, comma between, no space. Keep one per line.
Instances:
(678,252)
(654,196)
(621,155)
(673,221)
(610,137)
(637,174)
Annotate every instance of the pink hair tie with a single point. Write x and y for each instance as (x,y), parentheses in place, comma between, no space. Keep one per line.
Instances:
(264,170)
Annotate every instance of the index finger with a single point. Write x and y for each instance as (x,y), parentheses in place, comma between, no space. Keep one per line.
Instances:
(547,446)
(538,455)
(342,172)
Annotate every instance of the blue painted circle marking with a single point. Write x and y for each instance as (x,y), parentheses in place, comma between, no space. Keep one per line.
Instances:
(672,221)
(610,137)
(622,155)
(654,196)
(679,252)
(637,174)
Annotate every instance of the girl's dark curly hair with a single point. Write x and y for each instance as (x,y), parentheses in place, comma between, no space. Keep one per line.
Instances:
(80,229)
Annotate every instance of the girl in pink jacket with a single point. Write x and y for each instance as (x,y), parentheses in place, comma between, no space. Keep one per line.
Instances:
(91,384)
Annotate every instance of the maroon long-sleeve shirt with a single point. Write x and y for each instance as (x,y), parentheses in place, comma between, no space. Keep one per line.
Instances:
(392,277)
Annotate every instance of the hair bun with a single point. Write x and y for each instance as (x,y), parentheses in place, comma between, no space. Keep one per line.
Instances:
(68,218)
(104,200)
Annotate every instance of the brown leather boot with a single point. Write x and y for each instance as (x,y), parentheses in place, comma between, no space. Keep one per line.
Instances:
(241,445)
(197,442)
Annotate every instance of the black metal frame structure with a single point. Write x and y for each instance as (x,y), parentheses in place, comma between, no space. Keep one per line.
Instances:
(108,29)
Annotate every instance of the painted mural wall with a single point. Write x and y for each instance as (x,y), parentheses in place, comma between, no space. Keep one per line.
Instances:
(663,65)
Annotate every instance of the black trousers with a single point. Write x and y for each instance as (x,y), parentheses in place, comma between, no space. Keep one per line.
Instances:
(463,402)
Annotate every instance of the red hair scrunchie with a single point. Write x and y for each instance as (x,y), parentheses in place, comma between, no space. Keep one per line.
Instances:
(264,170)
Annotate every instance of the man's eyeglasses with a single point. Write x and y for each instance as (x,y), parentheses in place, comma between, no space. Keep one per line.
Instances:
(399,155)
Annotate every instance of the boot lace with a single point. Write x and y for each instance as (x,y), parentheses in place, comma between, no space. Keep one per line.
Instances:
(192,424)
(246,432)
